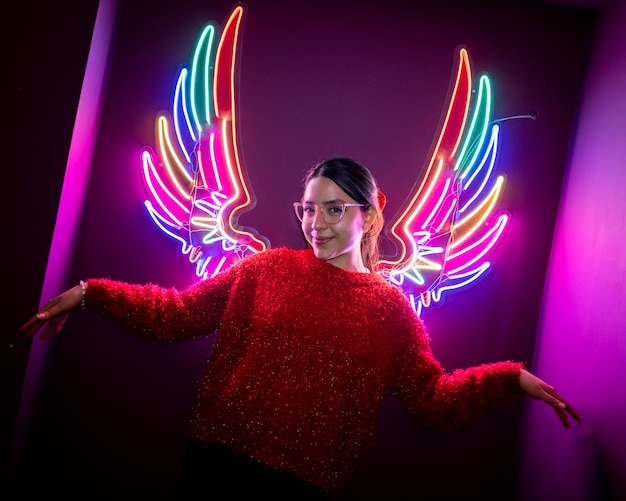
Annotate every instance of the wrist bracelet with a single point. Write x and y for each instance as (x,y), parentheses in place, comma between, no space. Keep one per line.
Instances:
(83,288)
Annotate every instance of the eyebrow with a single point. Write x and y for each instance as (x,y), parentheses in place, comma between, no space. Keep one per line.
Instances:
(334,200)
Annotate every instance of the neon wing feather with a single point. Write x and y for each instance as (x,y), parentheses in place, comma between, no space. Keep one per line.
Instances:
(195,183)
(448,229)
(445,234)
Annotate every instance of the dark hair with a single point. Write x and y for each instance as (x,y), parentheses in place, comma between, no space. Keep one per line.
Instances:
(358,183)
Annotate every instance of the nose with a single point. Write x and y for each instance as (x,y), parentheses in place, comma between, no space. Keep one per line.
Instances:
(319,222)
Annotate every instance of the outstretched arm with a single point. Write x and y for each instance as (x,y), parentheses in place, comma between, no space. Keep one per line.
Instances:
(452,401)
(54,313)
(163,314)
(539,389)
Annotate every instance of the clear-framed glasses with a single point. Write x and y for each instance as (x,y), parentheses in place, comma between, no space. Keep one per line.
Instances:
(332,211)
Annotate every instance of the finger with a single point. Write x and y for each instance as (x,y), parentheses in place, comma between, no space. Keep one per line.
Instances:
(27,327)
(562,406)
(570,410)
(34,324)
(59,323)
(46,314)
(562,415)
(568,407)
(50,329)
(54,326)
(31,327)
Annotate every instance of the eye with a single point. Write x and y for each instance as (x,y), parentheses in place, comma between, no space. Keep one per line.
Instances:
(308,209)
(334,209)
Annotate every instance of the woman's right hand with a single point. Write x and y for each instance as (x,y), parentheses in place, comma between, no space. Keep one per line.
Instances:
(54,313)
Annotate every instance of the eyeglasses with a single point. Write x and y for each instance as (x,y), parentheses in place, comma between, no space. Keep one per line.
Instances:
(332,211)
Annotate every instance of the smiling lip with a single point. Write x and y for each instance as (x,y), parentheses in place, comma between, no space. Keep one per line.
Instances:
(320,241)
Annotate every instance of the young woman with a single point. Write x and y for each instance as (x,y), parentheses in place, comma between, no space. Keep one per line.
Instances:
(308,343)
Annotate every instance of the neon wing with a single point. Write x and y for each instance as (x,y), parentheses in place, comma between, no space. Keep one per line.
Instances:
(195,184)
(450,226)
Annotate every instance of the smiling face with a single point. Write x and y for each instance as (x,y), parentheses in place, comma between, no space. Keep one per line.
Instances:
(339,243)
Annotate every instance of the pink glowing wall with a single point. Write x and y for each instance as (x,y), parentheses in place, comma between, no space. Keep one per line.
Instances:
(369,80)
(581,344)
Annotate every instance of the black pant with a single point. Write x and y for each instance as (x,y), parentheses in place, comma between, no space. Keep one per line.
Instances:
(212,471)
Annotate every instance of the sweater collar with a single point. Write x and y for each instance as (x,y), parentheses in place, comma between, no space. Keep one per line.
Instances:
(334,271)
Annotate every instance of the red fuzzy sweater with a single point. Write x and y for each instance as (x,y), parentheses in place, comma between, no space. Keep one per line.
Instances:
(305,354)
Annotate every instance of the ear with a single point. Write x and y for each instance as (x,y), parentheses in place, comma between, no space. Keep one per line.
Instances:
(369,216)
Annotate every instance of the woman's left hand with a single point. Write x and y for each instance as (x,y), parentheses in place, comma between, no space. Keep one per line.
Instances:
(539,389)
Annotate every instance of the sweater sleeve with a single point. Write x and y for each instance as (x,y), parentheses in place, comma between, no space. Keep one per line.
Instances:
(162,314)
(448,401)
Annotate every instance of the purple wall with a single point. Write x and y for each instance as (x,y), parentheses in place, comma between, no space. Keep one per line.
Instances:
(581,345)
(320,79)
